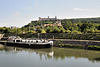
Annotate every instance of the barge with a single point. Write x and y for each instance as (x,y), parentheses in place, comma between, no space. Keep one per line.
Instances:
(28,43)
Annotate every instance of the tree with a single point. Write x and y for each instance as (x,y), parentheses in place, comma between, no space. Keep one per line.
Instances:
(68,31)
(74,27)
(67,25)
(39,29)
(43,31)
(62,30)
(48,30)
(7,30)
(86,27)
(19,30)
(56,30)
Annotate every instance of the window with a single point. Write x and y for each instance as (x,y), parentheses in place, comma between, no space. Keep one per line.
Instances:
(36,41)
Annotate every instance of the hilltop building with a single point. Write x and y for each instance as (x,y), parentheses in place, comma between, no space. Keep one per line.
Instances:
(47,19)
(58,23)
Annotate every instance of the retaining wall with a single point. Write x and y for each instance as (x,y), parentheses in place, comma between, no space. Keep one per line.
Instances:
(76,42)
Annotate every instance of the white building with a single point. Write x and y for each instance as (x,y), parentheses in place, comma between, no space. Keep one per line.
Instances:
(47,19)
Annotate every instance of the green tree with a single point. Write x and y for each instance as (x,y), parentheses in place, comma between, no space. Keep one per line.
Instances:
(67,25)
(39,29)
(68,31)
(56,30)
(62,30)
(43,31)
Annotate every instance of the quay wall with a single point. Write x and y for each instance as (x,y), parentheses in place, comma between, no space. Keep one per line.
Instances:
(83,36)
(75,42)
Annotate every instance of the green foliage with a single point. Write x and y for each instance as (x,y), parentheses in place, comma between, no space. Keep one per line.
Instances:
(32,31)
(75,31)
(82,25)
(43,31)
(58,42)
(68,31)
(55,30)
(49,29)
(71,46)
(62,30)
(94,47)
(67,25)
(39,29)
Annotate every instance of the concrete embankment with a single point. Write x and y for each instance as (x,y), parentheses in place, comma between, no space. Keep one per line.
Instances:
(75,42)
(70,41)
(1,35)
(3,42)
(1,46)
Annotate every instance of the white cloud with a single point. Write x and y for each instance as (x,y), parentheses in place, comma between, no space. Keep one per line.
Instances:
(80,9)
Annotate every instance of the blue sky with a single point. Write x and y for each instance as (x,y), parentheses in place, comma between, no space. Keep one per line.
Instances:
(21,12)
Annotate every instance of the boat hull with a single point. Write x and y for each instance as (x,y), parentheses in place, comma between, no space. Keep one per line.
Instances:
(25,45)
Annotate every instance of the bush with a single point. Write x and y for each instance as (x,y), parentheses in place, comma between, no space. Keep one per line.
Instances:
(94,47)
(68,31)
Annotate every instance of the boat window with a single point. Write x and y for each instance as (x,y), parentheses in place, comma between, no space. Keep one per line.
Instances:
(31,41)
(21,41)
(43,41)
(18,41)
(13,40)
(36,41)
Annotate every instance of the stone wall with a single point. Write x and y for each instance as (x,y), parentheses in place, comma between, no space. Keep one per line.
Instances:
(84,36)
(76,42)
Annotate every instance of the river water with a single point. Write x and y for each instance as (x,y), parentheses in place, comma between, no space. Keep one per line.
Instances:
(51,57)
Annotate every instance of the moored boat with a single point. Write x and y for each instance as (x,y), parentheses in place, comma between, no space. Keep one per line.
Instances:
(29,43)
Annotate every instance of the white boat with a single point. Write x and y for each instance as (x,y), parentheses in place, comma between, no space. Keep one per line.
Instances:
(29,43)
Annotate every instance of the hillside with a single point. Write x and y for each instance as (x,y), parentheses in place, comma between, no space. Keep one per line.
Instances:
(82,20)
(80,25)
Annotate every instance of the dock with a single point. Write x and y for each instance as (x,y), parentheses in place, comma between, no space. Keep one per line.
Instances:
(3,42)
(75,42)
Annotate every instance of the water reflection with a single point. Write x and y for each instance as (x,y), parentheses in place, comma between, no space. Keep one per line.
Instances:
(57,53)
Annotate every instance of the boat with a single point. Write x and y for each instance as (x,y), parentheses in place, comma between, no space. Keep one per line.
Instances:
(28,43)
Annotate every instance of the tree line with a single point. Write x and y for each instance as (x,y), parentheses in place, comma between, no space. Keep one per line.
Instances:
(85,25)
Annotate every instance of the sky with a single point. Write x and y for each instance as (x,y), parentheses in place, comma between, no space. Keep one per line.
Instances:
(21,12)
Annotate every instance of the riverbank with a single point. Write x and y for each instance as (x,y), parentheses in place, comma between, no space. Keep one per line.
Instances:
(70,43)
(83,41)
(82,36)
(1,47)
(81,44)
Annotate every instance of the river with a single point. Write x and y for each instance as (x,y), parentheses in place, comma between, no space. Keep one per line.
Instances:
(51,57)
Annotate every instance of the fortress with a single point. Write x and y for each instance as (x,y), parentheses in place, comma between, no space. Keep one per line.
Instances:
(47,19)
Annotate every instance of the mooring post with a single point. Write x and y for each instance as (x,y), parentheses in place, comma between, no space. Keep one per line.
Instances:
(53,37)
(38,35)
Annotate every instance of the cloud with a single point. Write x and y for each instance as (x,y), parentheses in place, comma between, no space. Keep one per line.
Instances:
(79,9)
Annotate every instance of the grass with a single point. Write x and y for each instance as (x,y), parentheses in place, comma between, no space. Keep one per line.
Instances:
(71,46)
